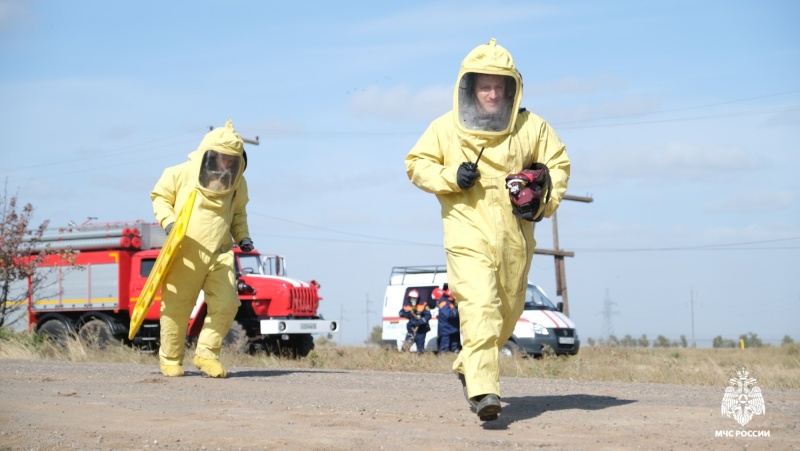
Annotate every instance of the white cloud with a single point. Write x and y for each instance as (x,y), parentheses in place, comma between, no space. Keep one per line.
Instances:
(675,160)
(788,118)
(586,115)
(400,103)
(752,201)
(577,85)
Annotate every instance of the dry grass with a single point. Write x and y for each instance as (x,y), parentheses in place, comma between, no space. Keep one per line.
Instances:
(773,367)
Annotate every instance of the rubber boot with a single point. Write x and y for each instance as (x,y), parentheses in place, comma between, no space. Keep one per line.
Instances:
(210,367)
(171,370)
(488,407)
(473,405)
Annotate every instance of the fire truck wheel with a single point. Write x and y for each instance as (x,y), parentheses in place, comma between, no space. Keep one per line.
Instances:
(303,344)
(296,347)
(56,329)
(96,333)
(236,339)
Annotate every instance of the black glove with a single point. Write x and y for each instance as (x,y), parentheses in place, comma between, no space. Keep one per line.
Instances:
(526,215)
(246,244)
(169,227)
(467,175)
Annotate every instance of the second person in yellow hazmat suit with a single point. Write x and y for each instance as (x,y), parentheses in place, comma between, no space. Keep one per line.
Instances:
(464,158)
(205,258)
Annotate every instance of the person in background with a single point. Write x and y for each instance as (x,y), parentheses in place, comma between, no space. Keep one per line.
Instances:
(204,260)
(495,169)
(419,317)
(448,327)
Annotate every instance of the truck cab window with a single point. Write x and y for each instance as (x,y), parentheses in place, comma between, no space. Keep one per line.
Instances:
(249,264)
(147,266)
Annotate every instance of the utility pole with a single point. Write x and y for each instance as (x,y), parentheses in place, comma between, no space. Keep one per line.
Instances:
(561,276)
(341,322)
(558,254)
(691,301)
(367,311)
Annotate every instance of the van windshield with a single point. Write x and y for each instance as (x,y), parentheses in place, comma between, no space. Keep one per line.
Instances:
(536,300)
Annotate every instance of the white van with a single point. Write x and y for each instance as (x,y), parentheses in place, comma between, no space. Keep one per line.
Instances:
(541,324)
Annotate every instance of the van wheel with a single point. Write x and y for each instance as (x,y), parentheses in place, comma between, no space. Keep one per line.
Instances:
(510,349)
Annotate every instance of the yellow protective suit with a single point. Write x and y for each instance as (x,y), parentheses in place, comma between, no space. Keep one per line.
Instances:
(489,250)
(205,258)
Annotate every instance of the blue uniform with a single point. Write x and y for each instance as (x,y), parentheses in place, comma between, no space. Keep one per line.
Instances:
(449,332)
(418,325)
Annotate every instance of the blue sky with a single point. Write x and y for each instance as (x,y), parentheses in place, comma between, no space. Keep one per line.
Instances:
(682,120)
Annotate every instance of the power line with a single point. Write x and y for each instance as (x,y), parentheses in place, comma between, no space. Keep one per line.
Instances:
(146,145)
(390,240)
(333,240)
(689,249)
(393,241)
(708,247)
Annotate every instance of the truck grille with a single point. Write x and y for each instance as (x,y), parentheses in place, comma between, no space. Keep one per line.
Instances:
(305,301)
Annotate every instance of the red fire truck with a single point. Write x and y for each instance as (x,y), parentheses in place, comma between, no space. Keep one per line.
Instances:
(94,297)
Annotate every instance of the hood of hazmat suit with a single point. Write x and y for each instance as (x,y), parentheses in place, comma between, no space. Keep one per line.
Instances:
(489,250)
(221,159)
(488,92)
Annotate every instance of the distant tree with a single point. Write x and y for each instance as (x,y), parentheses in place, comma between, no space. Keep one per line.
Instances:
(375,337)
(684,342)
(325,341)
(720,342)
(643,341)
(611,341)
(591,341)
(751,340)
(21,252)
(787,340)
(628,342)
(661,342)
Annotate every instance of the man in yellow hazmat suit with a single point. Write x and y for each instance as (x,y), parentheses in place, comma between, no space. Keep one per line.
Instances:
(465,158)
(205,258)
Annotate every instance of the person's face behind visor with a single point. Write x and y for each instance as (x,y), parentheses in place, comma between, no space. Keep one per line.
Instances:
(219,171)
(485,102)
(490,90)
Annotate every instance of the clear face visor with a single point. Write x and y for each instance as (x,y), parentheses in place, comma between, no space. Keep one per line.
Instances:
(219,171)
(486,102)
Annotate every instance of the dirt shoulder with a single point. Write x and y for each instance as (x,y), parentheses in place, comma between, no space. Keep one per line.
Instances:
(66,405)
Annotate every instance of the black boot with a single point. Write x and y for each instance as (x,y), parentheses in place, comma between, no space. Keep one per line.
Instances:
(488,407)
(473,405)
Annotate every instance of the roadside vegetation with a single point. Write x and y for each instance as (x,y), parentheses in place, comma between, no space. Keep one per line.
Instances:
(774,367)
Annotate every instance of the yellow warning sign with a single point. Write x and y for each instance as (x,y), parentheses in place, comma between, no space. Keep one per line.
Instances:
(161,266)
